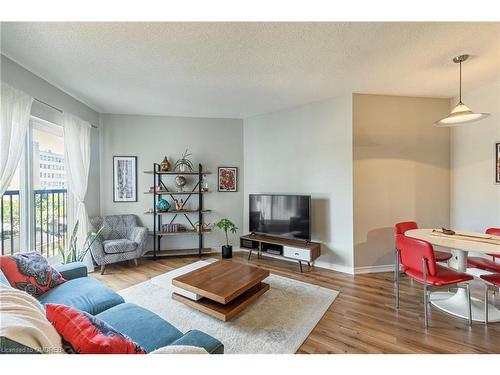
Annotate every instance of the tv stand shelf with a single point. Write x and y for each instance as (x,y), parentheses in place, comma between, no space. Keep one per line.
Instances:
(299,250)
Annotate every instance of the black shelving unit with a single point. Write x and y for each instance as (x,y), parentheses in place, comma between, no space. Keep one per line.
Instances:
(157,194)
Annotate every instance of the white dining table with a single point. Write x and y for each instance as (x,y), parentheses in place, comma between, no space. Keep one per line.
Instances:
(455,303)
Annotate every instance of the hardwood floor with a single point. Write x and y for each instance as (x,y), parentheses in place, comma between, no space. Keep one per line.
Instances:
(362,319)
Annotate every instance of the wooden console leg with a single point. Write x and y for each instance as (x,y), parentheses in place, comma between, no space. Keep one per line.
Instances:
(249,254)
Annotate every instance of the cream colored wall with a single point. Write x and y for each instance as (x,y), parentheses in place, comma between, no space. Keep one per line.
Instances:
(401,171)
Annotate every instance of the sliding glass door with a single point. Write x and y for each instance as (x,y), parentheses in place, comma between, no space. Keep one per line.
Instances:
(34,208)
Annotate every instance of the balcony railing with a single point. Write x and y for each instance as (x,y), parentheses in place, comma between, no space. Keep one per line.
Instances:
(49,216)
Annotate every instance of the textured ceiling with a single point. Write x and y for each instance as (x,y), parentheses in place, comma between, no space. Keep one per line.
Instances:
(238,70)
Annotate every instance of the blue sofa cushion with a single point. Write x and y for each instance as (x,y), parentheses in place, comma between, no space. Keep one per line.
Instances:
(8,346)
(84,293)
(72,270)
(143,326)
(201,340)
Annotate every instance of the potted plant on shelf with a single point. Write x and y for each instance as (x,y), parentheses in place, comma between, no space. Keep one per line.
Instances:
(184,164)
(227,225)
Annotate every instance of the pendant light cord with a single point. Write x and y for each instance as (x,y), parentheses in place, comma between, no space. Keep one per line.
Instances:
(460,89)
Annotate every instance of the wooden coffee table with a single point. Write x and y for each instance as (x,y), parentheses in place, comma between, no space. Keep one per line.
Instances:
(227,288)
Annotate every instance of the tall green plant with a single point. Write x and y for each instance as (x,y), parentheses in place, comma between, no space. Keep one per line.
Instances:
(227,225)
(73,254)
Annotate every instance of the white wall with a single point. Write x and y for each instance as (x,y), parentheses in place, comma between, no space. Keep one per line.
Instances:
(16,76)
(475,196)
(213,142)
(307,149)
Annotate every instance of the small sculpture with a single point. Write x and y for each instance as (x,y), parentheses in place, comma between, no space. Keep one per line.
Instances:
(202,227)
(179,204)
(165,165)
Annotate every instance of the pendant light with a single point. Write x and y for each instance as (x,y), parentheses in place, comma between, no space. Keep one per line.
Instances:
(461,114)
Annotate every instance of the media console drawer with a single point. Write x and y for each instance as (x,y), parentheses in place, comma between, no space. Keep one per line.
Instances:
(286,248)
(297,253)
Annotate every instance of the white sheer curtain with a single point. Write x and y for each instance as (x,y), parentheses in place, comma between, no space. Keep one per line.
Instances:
(14,120)
(77,159)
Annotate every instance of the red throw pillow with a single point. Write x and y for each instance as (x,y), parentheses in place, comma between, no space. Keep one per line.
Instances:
(30,272)
(88,335)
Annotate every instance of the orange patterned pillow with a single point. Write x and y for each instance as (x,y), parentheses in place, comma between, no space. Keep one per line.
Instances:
(30,272)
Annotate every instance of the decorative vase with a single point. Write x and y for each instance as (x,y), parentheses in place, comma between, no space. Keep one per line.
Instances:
(204,183)
(165,165)
(163,205)
(227,252)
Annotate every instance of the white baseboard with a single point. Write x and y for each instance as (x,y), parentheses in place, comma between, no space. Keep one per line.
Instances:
(334,267)
(318,263)
(374,269)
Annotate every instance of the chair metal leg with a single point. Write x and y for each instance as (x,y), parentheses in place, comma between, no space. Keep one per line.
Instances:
(469,303)
(426,317)
(396,276)
(396,265)
(103,267)
(486,304)
(424,271)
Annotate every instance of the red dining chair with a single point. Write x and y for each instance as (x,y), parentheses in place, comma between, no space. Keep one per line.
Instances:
(419,263)
(401,228)
(483,263)
(492,283)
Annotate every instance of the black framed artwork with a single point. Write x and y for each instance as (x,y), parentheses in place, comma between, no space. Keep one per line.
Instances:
(227,180)
(497,162)
(124,178)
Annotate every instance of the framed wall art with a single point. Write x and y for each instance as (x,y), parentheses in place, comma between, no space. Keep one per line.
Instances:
(124,178)
(228,179)
(497,162)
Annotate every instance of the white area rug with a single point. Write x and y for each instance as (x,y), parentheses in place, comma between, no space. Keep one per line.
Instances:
(277,323)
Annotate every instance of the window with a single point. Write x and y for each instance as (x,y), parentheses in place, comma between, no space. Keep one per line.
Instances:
(50,194)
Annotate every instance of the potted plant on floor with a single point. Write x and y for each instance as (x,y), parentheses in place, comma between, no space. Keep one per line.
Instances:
(227,225)
(73,254)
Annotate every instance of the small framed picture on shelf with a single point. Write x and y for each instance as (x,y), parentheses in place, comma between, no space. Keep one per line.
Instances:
(497,162)
(228,179)
(124,178)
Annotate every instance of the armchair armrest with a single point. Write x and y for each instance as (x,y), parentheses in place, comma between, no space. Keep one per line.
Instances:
(138,235)
(72,271)
(201,340)
(97,251)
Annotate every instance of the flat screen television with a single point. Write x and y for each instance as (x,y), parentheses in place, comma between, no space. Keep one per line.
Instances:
(281,215)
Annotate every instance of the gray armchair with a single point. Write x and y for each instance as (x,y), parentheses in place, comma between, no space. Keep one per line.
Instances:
(121,239)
